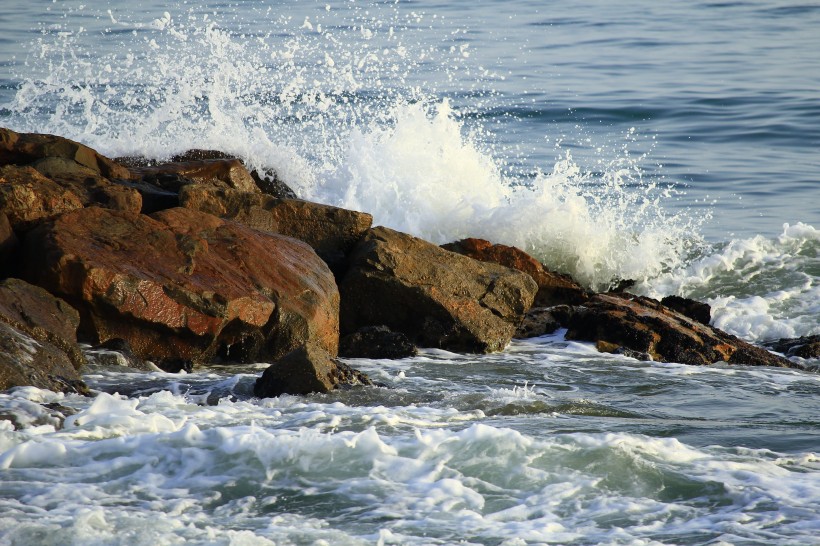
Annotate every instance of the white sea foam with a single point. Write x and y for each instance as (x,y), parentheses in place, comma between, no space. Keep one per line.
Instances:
(201,482)
(346,115)
(759,288)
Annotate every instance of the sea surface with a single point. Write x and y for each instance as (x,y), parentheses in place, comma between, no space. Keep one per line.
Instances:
(673,143)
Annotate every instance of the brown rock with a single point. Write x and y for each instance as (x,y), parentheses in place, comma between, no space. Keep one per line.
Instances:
(437,298)
(27,197)
(186,286)
(306,370)
(553,288)
(220,173)
(89,186)
(25,148)
(331,231)
(38,346)
(643,325)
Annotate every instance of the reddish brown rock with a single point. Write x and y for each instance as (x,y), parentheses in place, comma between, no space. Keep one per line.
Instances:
(538,321)
(619,322)
(331,231)
(437,298)
(38,339)
(220,173)
(27,197)
(183,285)
(306,370)
(553,288)
(25,148)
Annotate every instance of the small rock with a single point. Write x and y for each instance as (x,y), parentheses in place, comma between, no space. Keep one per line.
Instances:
(306,370)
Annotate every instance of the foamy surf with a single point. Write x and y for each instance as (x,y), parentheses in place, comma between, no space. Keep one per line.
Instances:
(312,102)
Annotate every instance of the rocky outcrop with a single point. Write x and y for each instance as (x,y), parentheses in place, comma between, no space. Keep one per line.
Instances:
(803,347)
(181,285)
(376,342)
(306,370)
(331,231)
(621,322)
(553,288)
(436,297)
(38,344)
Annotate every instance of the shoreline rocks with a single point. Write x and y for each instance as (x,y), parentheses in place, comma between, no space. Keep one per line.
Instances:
(198,261)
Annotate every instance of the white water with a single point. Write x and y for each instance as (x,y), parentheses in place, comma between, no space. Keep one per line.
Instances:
(300,99)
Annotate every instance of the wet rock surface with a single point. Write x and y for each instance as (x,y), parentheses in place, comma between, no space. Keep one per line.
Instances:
(803,347)
(436,297)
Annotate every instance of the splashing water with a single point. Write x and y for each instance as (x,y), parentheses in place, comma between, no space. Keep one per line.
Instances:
(351,107)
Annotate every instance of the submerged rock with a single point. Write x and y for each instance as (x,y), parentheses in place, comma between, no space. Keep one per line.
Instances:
(553,288)
(619,322)
(306,370)
(181,285)
(376,342)
(38,339)
(803,347)
(436,297)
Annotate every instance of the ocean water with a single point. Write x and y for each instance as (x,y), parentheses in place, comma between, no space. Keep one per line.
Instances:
(674,143)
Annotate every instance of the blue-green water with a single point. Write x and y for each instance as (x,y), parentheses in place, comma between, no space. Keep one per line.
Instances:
(665,142)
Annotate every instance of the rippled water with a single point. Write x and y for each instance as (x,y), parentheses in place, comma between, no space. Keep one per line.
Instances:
(665,142)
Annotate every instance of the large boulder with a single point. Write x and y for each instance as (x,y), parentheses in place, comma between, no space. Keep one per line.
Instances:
(184,286)
(27,197)
(38,339)
(553,288)
(8,245)
(640,325)
(306,370)
(331,231)
(436,297)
